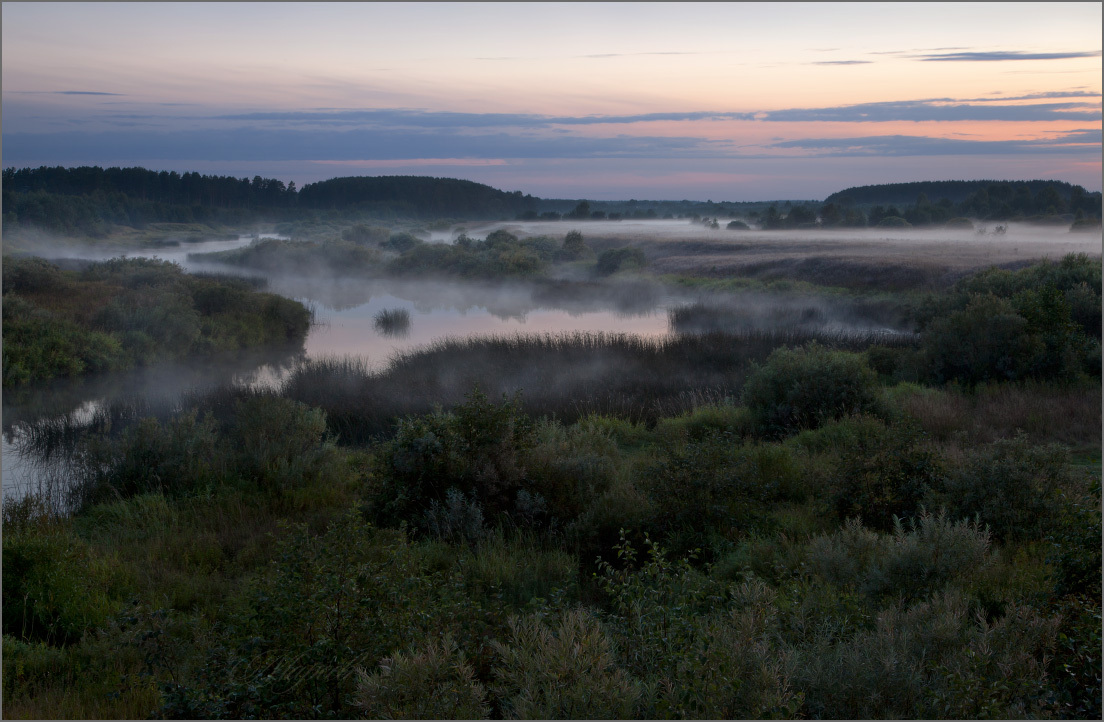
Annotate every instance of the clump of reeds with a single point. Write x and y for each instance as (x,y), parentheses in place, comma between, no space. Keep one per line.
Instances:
(393,322)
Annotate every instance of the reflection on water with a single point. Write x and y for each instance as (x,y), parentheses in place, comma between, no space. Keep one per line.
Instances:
(348,315)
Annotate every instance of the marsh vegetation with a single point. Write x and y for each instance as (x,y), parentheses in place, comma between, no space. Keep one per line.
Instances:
(798,494)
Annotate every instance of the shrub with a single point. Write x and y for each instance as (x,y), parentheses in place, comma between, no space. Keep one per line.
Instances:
(478,449)
(327,606)
(1011,485)
(175,458)
(280,443)
(702,651)
(55,587)
(565,671)
(28,275)
(518,569)
(366,235)
(914,561)
(933,659)
(574,246)
(803,388)
(430,681)
(617,259)
(883,476)
(40,345)
(569,467)
(456,519)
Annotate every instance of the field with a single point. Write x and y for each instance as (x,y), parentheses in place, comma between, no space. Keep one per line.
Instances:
(761,514)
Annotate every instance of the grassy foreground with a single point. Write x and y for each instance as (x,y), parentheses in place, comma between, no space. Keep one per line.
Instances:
(789,527)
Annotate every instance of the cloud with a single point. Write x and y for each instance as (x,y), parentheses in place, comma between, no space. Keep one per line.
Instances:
(932,109)
(598,56)
(994,56)
(64,92)
(941,109)
(1036,96)
(843,62)
(425,119)
(258,144)
(908,145)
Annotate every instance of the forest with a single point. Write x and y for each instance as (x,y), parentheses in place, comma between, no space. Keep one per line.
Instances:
(91,201)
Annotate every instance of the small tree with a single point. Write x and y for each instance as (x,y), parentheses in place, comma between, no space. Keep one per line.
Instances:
(574,246)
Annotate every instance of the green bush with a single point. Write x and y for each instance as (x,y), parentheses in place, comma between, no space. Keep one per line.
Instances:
(803,388)
(574,246)
(911,563)
(39,345)
(478,449)
(933,659)
(619,259)
(30,274)
(702,651)
(179,457)
(569,467)
(518,569)
(566,670)
(430,681)
(328,606)
(883,476)
(55,587)
(705,492)
(366,235)
(281,443)
(1039,322)
(1010,485)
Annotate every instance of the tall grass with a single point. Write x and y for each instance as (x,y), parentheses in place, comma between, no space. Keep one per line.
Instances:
(568,376)
(393,322)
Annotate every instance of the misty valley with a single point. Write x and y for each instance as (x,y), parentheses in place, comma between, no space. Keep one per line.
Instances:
(419,448)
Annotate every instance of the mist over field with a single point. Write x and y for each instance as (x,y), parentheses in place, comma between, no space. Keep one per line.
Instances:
(551,361)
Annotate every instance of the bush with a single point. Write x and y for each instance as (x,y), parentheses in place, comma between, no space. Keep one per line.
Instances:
(430,681)
(174,459)
(280,443)
(327,606)
(884,475)
(1012,486)
(55,588)
(565,671)
(803,388)
(933,660)
(574,247)
(914,561)
(617,259)
(478,449)
(28,275)
(704,492)
(366,235)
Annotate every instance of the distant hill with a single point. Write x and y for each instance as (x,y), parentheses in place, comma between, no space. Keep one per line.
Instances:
(956,191)
(417,196)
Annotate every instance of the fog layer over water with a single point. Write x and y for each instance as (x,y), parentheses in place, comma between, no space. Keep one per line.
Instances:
(348,310)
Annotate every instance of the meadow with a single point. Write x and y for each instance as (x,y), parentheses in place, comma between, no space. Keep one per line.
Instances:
(755,516)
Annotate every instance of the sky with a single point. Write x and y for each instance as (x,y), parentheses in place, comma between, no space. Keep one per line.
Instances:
(699,101)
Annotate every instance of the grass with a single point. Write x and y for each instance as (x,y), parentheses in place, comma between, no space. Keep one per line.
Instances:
(566,376)
(1047,413)
(394,322)
(240,539)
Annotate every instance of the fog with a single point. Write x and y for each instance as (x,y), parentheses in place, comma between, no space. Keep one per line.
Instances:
(346,308)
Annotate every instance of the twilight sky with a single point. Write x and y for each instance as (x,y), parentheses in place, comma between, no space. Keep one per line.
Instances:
(722,101)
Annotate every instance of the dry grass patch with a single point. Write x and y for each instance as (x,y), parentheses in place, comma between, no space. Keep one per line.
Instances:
(1066,415)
